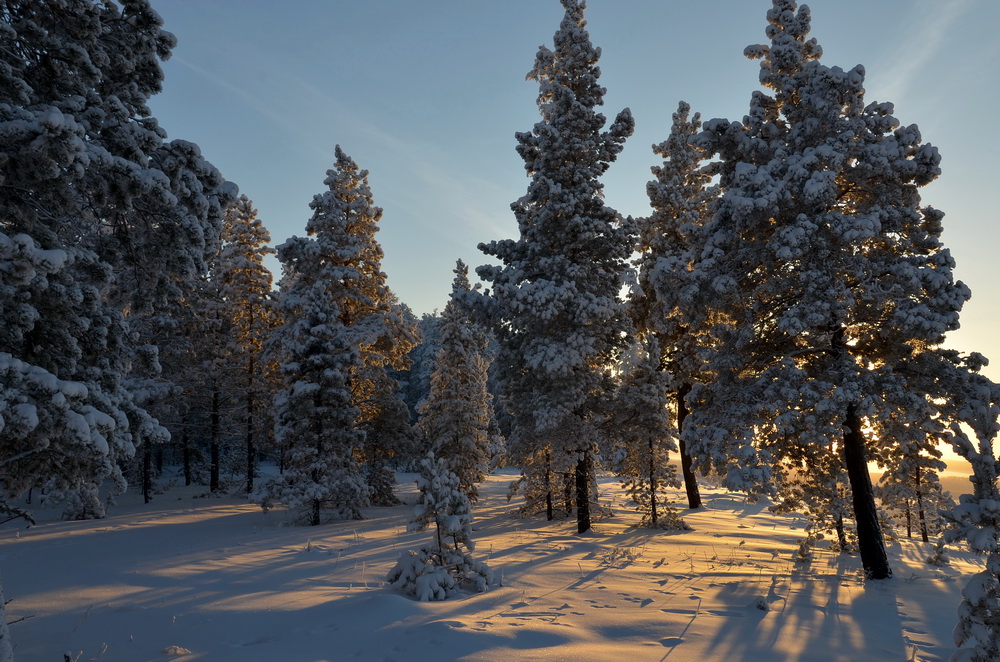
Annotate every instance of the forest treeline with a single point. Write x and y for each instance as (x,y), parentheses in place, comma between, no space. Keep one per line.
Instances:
(777,321)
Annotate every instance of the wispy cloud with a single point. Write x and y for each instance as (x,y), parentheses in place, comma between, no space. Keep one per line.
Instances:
(929,27)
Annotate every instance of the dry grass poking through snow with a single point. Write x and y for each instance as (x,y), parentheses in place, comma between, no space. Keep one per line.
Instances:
(216,580)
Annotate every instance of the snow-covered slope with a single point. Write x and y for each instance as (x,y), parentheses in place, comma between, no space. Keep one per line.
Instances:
(219,579)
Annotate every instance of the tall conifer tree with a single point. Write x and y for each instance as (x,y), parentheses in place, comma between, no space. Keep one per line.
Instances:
(246,291)
(100,216)
(456,416)
(822,278)
(373,320)
(559,319)
(668,242)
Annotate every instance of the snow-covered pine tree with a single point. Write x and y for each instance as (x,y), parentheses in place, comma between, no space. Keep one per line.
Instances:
(976,520)
(373,321)
(246,292)
(456,416)
(315,419)
(668,242)
(89,181)
(209,390)
(910,487)
(812,481)
(422,360)
(59,431)
(642,439)
(436,571)
(554,299)
(824,280)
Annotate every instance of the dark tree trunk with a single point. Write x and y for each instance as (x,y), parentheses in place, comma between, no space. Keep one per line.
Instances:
(653,515)
(568,484)
(316,428)
(251,410)
(147,472)
(690,481)
(870,541)
(583,493)
(909,520)
(213,480)
(186,451)
(920,509)
(548,487)
(841,533)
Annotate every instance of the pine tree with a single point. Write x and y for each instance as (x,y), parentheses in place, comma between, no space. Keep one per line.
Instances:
(642,439)
(668,241)
(910,485)
(374,322)
(554,299)
(436,571)
(976,520)
(456,416)
(422,359)
(824,282)
(246,291)
(315,420)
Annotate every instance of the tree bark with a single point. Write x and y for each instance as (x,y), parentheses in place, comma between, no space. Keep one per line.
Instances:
(653,515)
(251,410)
(841,533)
(147,472)
(316,428)
(568,485)
(213,480)
(548,488)
(583,493)
(186,451)
(690,480)
(870,541)
(921,517)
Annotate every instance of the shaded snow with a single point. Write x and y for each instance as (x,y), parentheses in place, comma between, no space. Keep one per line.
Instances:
(217,577)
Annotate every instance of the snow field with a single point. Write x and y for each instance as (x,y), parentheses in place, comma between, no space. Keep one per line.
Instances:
(222,580)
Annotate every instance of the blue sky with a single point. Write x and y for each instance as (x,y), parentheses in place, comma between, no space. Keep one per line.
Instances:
(427,96)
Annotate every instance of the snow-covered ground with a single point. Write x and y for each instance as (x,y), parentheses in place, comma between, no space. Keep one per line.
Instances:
(215,579)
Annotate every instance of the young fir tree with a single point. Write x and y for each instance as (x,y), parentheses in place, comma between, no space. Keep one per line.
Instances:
(813,482)
(437,571)
(668,239)
(374,323)
(456,416)
(422,359)
(641,439)
(910,487)
(246,292)
(822,278)
(555,297)
(315,419)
